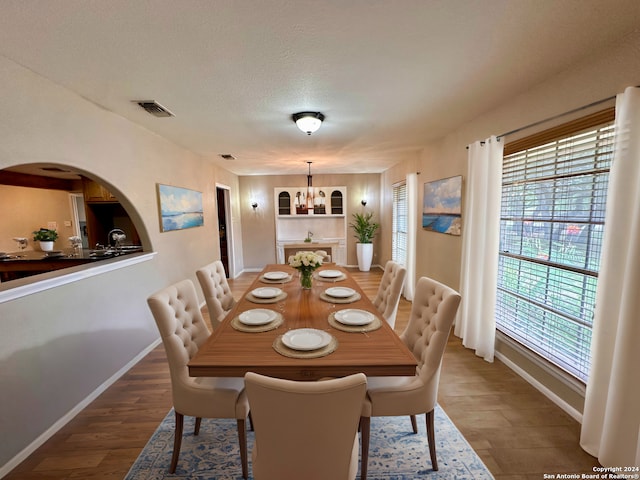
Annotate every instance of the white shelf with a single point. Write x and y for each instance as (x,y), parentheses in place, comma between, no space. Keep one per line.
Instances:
(292,228)
(315,215)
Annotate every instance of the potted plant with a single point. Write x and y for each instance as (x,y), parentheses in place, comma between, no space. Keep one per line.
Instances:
(46,237)
(365,229)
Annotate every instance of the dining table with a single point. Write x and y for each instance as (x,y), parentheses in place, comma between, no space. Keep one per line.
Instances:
(279,329)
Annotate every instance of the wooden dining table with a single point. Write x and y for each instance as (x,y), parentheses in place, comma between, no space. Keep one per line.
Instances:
(231,352)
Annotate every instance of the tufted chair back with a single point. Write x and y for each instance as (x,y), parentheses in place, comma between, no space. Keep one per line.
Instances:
(217,293)
(389,290)
(432,314)
(182,330)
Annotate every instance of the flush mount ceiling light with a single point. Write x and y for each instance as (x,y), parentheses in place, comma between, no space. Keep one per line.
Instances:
(308,122)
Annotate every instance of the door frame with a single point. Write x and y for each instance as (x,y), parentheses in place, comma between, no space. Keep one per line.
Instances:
(228,226)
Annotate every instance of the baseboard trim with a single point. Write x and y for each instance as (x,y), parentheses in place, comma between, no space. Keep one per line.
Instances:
(53,429)
(568,409)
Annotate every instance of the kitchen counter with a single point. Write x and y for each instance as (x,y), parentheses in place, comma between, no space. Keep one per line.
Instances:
(30,262)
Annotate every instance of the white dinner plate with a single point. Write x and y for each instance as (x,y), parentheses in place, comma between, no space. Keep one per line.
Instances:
(257,316)
(306,339)
(266,292)
(353,316)
(340,292)
(329,273)
(276,275)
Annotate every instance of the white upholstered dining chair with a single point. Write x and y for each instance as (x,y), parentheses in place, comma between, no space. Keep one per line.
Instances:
(217,294)
(432,313)
(305,430)
(388,296)
(183,330)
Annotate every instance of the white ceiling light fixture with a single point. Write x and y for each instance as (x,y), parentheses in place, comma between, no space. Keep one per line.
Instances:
(308,122)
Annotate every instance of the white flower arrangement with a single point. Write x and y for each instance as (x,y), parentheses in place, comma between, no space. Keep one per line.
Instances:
(305,261)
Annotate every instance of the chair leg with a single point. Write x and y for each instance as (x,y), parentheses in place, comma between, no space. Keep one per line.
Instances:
(177,442)
(414,423)
(365,431)
(431,438)
(196,429)
(242,439)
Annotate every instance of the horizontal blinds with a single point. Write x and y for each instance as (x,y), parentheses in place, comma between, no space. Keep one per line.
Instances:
(561,131)
(552,217)
(399,224)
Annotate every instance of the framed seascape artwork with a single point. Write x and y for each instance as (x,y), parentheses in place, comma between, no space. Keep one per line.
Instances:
(441,206)
(179,208)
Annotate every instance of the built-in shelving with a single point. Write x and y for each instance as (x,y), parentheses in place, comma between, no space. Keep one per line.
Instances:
(319,212)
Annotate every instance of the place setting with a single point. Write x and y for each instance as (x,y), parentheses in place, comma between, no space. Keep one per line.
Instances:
(276,277)
(305,343)
(266,295)
(330,275)
(354,320)
(257,320)
(340,295)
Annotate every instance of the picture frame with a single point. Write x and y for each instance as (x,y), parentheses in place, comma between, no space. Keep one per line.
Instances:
(441,209)
(179,208)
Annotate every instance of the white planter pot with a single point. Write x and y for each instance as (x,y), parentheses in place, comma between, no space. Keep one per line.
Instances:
(365,255)
(46,246)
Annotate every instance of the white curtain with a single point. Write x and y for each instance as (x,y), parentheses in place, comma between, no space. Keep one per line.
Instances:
(611,419)
(412,222)
(476,323)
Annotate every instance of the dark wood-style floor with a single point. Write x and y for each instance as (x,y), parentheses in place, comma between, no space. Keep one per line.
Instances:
(517,432)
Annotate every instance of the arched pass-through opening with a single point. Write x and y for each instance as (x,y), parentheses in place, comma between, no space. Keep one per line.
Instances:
(69,201)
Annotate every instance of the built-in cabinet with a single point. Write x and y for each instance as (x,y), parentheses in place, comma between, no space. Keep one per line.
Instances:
(94,192)
(104,213)
(317,213)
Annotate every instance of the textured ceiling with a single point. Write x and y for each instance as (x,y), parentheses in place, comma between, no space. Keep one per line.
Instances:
(389,75)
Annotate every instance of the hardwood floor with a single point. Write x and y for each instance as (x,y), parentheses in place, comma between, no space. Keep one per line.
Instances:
(518,433)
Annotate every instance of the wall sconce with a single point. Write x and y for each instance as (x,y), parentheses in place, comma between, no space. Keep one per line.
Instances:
(363,202)
(254,205)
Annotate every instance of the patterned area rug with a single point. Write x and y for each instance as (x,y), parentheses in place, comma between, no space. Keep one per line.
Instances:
(395,452)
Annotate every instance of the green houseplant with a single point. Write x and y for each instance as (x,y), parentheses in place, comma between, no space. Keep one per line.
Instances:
(46,237)
(365,229)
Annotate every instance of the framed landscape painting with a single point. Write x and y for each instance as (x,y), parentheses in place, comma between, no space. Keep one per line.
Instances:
(441,206)
(179,208)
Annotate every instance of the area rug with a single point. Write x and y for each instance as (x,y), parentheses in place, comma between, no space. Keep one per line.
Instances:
(395,452)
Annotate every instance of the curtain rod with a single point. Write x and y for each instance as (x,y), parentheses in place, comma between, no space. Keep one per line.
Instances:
(555,117)
(560,115)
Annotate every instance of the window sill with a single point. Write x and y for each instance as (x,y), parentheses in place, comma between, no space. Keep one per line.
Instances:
(30,285)
(563,377)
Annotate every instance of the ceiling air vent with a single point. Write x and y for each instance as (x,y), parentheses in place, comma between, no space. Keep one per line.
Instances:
(154,108)
(227,156)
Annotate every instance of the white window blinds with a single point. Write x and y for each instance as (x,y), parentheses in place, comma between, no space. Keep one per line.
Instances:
(552,216)
(399,224)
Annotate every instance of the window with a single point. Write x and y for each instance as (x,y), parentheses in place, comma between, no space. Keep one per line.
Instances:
(399,224)
(554,192)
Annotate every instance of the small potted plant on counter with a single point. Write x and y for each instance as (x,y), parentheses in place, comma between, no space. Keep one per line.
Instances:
(46,237)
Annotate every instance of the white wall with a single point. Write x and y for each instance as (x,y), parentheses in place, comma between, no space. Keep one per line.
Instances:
(258,226)
(59,345)
(604,74)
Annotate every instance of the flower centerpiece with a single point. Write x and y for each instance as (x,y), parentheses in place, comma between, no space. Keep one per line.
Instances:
(305,263)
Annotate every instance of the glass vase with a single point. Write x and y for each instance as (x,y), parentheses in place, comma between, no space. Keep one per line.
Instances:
(306,279)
